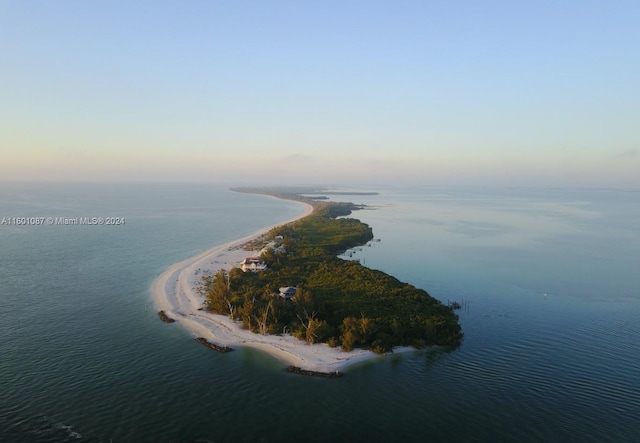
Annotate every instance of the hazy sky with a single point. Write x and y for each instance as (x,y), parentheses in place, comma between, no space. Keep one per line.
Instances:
(425,92)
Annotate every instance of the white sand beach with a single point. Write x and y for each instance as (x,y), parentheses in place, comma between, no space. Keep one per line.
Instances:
(175,293)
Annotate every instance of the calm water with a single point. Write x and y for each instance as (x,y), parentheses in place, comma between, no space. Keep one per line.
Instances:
(84,358)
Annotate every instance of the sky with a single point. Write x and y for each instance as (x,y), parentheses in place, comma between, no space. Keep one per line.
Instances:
(321,92)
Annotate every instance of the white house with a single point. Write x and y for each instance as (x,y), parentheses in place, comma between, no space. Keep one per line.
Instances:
(253,264)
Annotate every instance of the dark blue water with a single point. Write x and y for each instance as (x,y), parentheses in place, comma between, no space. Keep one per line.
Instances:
(83,356)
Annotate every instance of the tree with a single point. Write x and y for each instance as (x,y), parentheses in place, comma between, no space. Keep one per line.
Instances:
(306,302)
(308,320)
(350,337)
(219,293)
(357,332)
(367,329)
(262,317)
(246,312)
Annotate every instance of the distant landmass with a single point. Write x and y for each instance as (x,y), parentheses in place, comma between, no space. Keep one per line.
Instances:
(297,192)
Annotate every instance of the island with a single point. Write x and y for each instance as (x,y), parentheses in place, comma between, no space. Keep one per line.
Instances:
(284,290)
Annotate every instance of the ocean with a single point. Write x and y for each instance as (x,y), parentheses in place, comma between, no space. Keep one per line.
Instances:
(548,280)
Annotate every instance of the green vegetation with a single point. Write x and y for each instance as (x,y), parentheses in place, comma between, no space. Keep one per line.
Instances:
(337,301)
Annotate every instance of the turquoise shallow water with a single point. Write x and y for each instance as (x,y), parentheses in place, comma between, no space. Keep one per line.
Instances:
(83,356)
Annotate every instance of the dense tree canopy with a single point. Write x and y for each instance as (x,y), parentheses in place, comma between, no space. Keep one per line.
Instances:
(338,301)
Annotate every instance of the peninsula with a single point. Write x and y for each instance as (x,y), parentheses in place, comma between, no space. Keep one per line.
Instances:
(283,290)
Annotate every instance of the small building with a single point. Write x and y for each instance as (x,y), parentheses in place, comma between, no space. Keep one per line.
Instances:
(253,264)
(288,292)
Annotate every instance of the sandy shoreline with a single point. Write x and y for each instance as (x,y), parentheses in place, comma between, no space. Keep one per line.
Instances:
(174,292)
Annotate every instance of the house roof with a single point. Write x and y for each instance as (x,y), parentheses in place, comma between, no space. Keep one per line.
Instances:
(251,260)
